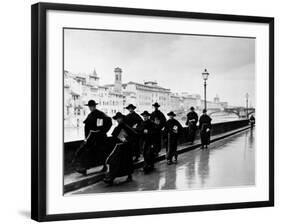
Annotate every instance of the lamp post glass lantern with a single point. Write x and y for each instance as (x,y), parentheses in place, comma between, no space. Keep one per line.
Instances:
(205,75)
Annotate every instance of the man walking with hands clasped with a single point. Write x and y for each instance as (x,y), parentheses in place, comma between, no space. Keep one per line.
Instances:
(133,120)
(172,132)
(205,129)
(191,122)
(146,131)
(159,119)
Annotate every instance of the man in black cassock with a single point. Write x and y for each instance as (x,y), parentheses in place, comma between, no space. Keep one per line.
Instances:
(172,132)
(120,160)
(159,120)
(134,120)
(94,151)
(146,130)
(191,122)
(252,121)
(205,129)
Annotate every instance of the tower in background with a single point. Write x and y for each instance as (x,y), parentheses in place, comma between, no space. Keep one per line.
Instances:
(94,79)
(118,80)
(217,99)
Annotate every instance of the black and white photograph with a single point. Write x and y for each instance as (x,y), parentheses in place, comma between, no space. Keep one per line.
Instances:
(135,111)
(141,111)
(152,111)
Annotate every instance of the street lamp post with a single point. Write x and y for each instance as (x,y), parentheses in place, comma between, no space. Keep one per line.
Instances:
(205,75)
(247,100)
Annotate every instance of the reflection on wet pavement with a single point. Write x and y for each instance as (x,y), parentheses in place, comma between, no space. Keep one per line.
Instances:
(229,162)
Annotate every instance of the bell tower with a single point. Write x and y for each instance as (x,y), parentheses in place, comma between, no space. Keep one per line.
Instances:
(94,79)
(118,80)
(217,99)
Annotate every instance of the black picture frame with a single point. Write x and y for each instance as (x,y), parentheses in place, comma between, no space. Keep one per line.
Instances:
(38,108)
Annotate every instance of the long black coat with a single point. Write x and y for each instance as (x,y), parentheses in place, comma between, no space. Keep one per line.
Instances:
(170,127)
(147,131)
(191,121)
(159,120)
(157,115)
(97,120)
(95,150)
(204,124)
(150,128)
(120,160)
(172,131)
(192,115)
(126,129)
(133,119)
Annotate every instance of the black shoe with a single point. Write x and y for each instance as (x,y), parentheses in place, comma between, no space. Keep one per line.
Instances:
(108,181)
(145,170)
(148,169)
(169,162)
(82,171)
(129,178)
(104,169)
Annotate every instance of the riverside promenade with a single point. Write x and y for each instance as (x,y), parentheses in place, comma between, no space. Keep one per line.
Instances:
(222,140)
(228,162)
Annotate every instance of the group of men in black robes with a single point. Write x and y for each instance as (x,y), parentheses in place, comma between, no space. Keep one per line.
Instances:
(147,140)
(132,137)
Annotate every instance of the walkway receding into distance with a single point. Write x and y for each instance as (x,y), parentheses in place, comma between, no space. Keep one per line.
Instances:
(227,163)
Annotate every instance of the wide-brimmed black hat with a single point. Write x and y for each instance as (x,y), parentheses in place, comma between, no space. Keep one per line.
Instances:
(91,103)
(118,115)
(171,113)
(145,113)
(156,104)
(130,106)
(191,108)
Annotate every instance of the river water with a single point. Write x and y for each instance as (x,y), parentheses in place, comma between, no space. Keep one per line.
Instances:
(74,134)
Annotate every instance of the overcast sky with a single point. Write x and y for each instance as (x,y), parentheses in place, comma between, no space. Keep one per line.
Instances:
(174,61)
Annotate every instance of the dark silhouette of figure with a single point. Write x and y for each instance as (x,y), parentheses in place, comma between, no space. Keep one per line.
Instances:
(120,160)
(146,131)
(172,131)
(205,129)
(93,151)
(159,120)
(191,122)
(252,121)
(133,120)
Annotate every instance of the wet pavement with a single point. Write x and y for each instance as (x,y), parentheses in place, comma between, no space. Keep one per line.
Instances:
(227,163)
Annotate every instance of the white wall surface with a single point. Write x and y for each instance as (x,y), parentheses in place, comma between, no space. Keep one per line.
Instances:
(15,110)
